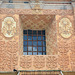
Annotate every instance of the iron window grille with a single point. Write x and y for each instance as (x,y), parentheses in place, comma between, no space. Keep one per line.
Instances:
(34,42)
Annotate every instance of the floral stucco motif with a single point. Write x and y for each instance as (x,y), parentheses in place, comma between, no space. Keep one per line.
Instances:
(65,27)
(8,27)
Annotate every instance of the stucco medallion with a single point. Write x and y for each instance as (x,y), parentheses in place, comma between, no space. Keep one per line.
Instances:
(65,27)
(8,27)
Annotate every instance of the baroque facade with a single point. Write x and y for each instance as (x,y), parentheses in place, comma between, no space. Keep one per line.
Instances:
(56,17)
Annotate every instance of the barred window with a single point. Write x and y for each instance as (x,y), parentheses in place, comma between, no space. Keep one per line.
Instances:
(34,42)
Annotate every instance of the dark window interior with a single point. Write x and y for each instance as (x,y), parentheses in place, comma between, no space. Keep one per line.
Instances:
(34,42)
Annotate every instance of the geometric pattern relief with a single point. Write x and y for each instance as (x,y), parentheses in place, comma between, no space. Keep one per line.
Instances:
(65,27)
(8,55)
(12,47)
(63,61)
(33,62)
(26,62)
(63,49)
(8,27)
(2,51)
(36,21)
(51,44)
(29,11)
(40,22)
(64,68)
(39,62)
(51,62)
(72,56)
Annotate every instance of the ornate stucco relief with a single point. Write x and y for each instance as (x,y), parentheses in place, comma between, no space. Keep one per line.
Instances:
(8,27)
(65,28)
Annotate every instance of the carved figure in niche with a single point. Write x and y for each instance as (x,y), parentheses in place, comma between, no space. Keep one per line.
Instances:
(8,27)
(65,28)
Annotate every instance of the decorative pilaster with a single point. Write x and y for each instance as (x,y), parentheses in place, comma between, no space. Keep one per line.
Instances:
(65,44)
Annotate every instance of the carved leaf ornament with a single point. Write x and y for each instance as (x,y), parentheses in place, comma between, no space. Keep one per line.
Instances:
(65,28)
(8,27)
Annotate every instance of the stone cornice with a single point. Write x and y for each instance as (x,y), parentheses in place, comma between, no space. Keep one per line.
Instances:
(28,6)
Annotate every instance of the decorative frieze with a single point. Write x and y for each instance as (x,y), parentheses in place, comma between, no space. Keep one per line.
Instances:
(31,12)
(26,62)
(39,62)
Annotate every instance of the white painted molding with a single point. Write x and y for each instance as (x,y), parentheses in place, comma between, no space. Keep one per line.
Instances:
(73,4)
(0,2)
(57,2)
